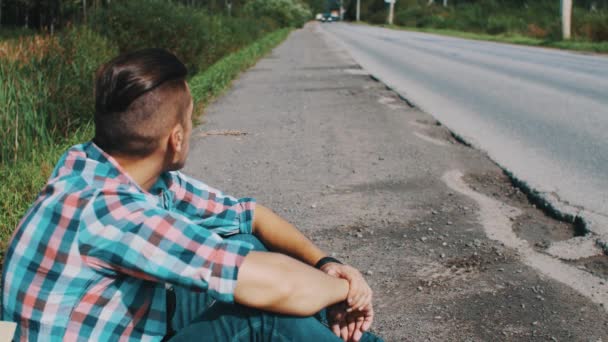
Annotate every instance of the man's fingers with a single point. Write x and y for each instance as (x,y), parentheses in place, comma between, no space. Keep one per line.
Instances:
(358,329)
(357,335)
(365,301)
(344,331)
(353,292)
(362,301)
(351,327)
(359,296)
(336,329)
(369,319)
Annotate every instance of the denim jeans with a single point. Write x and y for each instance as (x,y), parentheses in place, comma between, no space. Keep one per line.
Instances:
(200,318)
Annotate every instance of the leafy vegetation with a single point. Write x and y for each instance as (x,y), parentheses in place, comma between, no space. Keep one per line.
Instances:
(283,12)
(539,20)
(196,37)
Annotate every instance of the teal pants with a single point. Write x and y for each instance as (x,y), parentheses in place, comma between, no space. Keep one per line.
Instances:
(200,318)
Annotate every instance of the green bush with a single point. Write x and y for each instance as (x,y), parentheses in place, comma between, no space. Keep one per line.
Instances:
(497,24)
(408,17)
(197,38)
(538,19)
(591,25)
(378,18)
(284,12)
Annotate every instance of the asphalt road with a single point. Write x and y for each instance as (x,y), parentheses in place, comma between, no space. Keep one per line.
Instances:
(540,113)
(452,251)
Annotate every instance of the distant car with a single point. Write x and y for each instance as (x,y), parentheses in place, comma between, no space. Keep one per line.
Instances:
(335,15)
(327,18)
(319,17)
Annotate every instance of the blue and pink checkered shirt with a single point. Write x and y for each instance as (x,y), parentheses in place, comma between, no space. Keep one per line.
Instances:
(90,259)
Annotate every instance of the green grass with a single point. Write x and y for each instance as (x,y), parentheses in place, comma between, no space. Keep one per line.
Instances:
(22,119)
(512,38)
(20,182)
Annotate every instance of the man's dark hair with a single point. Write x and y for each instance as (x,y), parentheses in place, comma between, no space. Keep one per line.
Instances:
(138,96)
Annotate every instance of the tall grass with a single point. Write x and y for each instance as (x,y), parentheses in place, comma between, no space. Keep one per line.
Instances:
(22,117)
(46,87)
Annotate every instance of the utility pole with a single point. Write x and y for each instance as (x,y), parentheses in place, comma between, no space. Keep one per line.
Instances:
(391,12)
(358,9)
(229,7)
(566,9)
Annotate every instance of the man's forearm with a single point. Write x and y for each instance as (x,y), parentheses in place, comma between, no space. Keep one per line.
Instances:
(281,236)
(278,283)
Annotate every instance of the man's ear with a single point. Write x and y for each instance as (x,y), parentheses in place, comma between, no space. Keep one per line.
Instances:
(176,138)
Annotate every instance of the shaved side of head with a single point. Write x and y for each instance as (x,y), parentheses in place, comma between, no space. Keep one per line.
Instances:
(139,97)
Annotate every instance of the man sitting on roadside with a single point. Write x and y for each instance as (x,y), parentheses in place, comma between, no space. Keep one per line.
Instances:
(120,245)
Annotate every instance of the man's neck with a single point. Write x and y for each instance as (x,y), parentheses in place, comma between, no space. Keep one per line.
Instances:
(144,171)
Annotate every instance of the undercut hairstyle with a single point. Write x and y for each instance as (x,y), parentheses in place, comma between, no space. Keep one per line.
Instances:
(139,96)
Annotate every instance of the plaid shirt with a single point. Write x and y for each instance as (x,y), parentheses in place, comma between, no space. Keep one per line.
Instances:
(91,257)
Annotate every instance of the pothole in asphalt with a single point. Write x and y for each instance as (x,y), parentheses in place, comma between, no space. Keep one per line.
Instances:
(532,224)
(496,218)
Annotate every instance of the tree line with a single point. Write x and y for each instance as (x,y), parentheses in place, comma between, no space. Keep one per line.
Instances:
(370,7)
(50,14)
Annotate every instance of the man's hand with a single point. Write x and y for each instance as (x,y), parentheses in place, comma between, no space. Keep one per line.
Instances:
(349,326)
(359,293)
